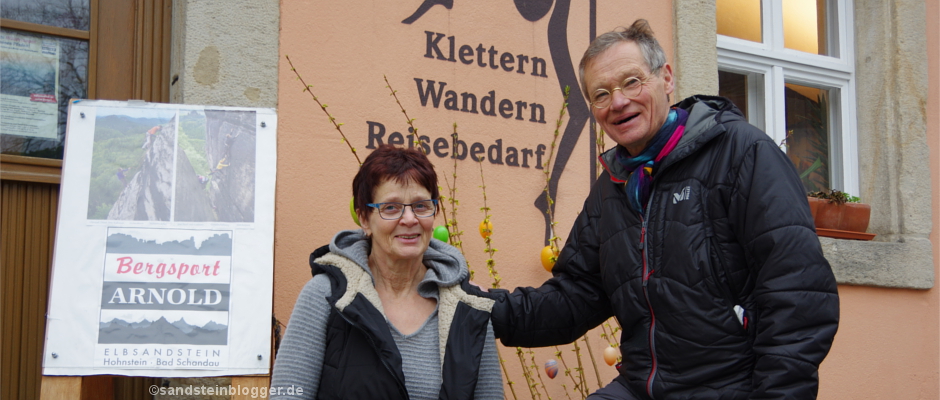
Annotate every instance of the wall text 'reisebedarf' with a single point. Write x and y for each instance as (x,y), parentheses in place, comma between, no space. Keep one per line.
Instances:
(459,149)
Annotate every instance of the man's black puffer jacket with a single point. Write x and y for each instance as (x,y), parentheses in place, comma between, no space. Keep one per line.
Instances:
(727,224)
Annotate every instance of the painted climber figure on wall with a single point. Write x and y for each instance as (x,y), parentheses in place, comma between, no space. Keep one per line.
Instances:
(578,112)
(530,10)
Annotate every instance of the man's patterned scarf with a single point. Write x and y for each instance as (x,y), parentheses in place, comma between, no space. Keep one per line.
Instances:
(643,166)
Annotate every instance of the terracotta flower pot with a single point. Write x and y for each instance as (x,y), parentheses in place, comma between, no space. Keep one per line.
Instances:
(844,217)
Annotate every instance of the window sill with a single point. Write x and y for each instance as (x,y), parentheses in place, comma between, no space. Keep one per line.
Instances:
(30,169)
(907,263)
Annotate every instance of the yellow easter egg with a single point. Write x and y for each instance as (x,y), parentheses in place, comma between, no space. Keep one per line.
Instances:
(549,254)
(486,229)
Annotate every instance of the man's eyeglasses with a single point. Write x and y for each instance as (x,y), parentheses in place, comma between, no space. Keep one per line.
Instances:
(630,88)
(391,211)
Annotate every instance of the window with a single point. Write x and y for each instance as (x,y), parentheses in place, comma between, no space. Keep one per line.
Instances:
(52,51)
(789,66)
(44,48)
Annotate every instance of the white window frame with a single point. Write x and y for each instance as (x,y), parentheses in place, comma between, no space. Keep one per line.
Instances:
(773,65)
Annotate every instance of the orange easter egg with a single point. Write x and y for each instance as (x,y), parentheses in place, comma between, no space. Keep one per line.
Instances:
(610,355)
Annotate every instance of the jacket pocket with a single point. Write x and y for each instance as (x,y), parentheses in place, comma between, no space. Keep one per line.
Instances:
(735,307)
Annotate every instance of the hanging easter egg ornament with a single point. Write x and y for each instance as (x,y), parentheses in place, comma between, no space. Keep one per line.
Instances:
(352,211)
(549,255)
(610,355)
(486,228)
(551,368)
(440,233)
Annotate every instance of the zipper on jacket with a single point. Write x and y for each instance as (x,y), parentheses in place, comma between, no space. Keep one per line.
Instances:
(401,385)
(647,272)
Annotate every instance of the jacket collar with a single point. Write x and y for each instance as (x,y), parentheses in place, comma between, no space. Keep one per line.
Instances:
(703,125)
(446,265)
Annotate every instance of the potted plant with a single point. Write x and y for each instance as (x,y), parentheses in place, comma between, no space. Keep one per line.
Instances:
(839,215)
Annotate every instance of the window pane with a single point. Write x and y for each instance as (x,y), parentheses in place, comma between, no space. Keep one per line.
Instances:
(72,14)
(805,27)
(734,87)
(740,19)
(807,142)
(38,76)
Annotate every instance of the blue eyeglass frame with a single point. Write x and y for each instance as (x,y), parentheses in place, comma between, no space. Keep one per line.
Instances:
(403,205)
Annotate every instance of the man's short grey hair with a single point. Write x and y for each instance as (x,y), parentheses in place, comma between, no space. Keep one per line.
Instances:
(640,33)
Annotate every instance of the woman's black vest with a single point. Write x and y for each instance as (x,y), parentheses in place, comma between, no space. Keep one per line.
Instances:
(361,360)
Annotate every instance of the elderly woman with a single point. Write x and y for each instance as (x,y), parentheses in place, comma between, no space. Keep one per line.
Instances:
(387,314)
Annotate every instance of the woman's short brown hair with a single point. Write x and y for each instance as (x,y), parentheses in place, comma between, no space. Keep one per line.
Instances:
(388,162)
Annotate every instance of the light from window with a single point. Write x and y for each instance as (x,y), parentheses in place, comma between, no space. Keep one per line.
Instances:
(804,26)
(807,140)
(740,19)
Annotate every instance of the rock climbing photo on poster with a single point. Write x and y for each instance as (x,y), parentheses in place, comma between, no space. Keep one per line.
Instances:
(173,165)
(132,164)
(215,170)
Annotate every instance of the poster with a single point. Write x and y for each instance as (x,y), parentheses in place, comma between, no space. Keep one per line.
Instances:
(29,83)
(163,261)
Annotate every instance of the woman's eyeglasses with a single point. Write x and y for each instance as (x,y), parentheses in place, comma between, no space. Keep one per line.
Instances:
(421,209)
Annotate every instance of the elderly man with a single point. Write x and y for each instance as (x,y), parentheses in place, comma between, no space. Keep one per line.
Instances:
(697,238)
